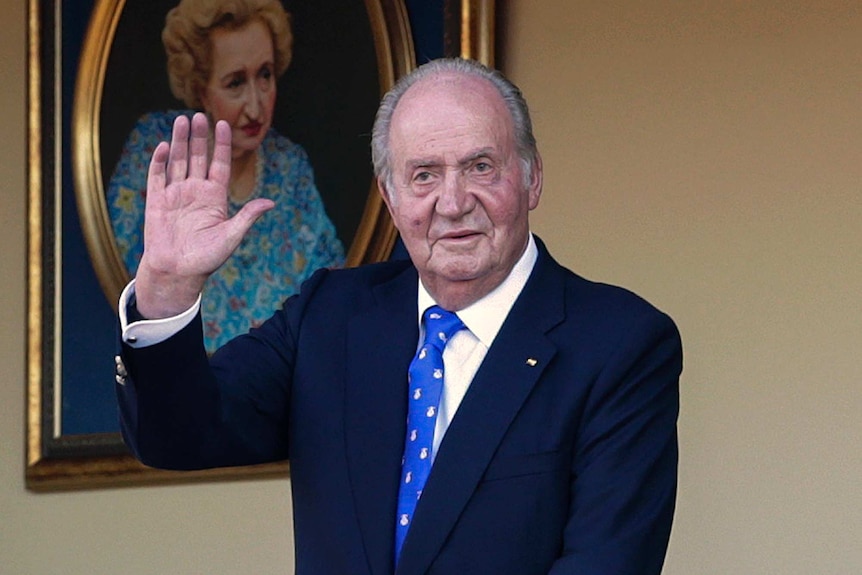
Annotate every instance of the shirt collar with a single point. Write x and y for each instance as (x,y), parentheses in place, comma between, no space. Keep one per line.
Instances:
(485,317)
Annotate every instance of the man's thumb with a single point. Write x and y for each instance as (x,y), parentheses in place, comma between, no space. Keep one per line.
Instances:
(245,218)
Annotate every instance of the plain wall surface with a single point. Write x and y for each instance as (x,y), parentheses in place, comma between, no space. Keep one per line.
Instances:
(707,155)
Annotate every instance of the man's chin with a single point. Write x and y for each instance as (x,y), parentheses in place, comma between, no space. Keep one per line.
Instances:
(458,269)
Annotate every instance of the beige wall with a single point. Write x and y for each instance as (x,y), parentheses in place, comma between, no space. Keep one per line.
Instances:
(706,155)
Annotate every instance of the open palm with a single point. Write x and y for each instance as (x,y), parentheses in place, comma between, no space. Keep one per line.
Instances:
(187,231)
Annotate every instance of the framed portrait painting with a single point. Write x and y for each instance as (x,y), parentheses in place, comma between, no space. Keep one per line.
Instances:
(99,83)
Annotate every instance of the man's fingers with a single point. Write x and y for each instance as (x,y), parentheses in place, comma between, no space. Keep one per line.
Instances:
(156,176)
(179,153)
(197,162)
(219,171)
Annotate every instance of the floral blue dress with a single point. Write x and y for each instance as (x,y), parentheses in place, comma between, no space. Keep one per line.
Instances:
(283,248)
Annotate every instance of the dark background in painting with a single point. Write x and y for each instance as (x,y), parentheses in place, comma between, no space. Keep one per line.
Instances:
(88,320)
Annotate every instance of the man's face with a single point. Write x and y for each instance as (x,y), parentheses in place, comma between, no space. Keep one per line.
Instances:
(459,197)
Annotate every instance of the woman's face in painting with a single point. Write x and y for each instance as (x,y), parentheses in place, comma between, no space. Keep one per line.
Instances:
(242,85)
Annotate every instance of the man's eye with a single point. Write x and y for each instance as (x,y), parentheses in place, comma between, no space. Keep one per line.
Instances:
(482,167)
(422,177)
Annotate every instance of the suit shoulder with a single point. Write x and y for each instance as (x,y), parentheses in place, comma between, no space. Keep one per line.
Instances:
(586,296)
(607,306)
(366,276)
(332,286)
(608,320)
(588,292)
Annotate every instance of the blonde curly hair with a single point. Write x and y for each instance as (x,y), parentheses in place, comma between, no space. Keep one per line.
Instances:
(186,37)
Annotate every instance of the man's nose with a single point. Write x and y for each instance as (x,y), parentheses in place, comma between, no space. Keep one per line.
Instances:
(455,199)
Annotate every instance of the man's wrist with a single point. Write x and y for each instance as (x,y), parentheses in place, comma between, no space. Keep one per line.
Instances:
(162,295)
(138,331)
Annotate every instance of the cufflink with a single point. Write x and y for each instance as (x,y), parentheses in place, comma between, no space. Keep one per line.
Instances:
(120,372)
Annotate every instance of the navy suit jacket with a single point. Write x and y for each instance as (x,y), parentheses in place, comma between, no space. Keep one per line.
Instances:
(562,457)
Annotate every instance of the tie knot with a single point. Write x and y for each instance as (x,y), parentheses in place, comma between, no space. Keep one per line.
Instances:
(440,325)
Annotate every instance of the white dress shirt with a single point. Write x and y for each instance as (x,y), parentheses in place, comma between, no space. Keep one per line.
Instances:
(148,332)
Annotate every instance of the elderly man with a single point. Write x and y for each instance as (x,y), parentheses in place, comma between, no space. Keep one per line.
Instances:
(533,432)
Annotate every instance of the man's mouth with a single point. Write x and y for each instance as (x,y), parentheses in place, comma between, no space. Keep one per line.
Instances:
(461,235)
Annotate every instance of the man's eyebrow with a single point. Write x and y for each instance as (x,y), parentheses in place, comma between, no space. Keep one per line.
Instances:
(423,163)
(486,152)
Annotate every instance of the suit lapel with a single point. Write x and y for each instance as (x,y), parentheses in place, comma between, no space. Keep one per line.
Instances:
(511,369)
(382,341)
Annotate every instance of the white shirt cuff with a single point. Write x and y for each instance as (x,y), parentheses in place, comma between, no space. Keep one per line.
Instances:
(148,332)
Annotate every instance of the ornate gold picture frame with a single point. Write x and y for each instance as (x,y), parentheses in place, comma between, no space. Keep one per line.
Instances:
(71,239)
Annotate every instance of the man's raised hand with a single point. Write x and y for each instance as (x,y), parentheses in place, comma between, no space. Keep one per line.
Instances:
(187,231)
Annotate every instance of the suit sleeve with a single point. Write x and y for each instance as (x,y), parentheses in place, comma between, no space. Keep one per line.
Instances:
(181,409)
(624,475)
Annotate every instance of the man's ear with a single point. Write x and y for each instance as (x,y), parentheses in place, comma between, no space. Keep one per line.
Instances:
(535,187)
(385,194)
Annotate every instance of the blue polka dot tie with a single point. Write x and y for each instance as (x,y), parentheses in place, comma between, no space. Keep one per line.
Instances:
(426,383)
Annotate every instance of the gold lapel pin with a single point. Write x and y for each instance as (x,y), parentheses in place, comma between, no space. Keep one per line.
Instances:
(531,362)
